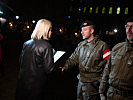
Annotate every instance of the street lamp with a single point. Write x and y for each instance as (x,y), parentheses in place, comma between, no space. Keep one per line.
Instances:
(17,17)
(115,30)
(1,12)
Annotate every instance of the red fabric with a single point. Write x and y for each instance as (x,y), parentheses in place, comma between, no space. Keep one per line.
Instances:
(1,37)
(106,54)
(0,53)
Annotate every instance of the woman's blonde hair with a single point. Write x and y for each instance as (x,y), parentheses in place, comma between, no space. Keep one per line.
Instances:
(42,29)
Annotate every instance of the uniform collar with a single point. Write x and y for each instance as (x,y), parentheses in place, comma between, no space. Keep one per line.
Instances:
(92,42)
(129,46)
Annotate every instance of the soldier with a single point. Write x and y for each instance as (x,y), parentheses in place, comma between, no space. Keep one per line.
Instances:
(118,72)
(91,55)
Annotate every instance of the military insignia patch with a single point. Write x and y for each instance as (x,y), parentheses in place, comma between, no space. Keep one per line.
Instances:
(85,24)
(106,54)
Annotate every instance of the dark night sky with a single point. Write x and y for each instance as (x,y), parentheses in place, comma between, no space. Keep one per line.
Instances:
(54,10)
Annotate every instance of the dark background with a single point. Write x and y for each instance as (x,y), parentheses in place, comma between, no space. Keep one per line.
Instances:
(62,86)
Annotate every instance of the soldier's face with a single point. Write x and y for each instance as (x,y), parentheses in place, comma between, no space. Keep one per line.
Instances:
(86,32)
(129,31)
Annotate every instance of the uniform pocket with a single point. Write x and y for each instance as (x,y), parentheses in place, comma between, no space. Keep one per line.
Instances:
(110,95)
(95,84)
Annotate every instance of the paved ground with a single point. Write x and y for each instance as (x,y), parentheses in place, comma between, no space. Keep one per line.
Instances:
(8,82)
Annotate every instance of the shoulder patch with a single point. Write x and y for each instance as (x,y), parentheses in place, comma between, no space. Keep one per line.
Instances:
(106,54)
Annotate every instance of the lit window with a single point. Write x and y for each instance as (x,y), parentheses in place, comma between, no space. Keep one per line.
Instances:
(84,9)
(103,10)
(118,10)
(126,11)
(96,10)
(110,10)
(90,9)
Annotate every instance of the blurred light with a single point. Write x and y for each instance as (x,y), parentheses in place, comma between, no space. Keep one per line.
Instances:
(103,10)
(1,12)
(28,26)
(126,10)
(69,17)
(110,10)
(84,9)
(90,9)
(10,25)
(76,33)
(115,30)
(17,17)
(33,21)
(2,20)
(96,10)
(61,30)
(79,9)
(118,10)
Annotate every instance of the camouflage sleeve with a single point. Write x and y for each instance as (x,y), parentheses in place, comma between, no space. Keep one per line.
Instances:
(72,60)
(104,81)
(105,55)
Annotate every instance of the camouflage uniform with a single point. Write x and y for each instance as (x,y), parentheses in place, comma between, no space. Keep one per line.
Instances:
(118,73)
(89,57)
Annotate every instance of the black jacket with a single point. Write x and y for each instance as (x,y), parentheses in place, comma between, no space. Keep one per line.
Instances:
(36,62)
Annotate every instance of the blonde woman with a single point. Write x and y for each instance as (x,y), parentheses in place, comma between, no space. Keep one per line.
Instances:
(36,62)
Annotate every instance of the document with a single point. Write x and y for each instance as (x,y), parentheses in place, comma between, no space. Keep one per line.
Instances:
(58,54)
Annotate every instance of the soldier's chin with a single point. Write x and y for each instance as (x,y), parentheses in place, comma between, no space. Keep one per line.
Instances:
(84,37)
(130,39)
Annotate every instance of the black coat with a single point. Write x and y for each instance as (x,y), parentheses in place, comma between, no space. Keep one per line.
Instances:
(36,62)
